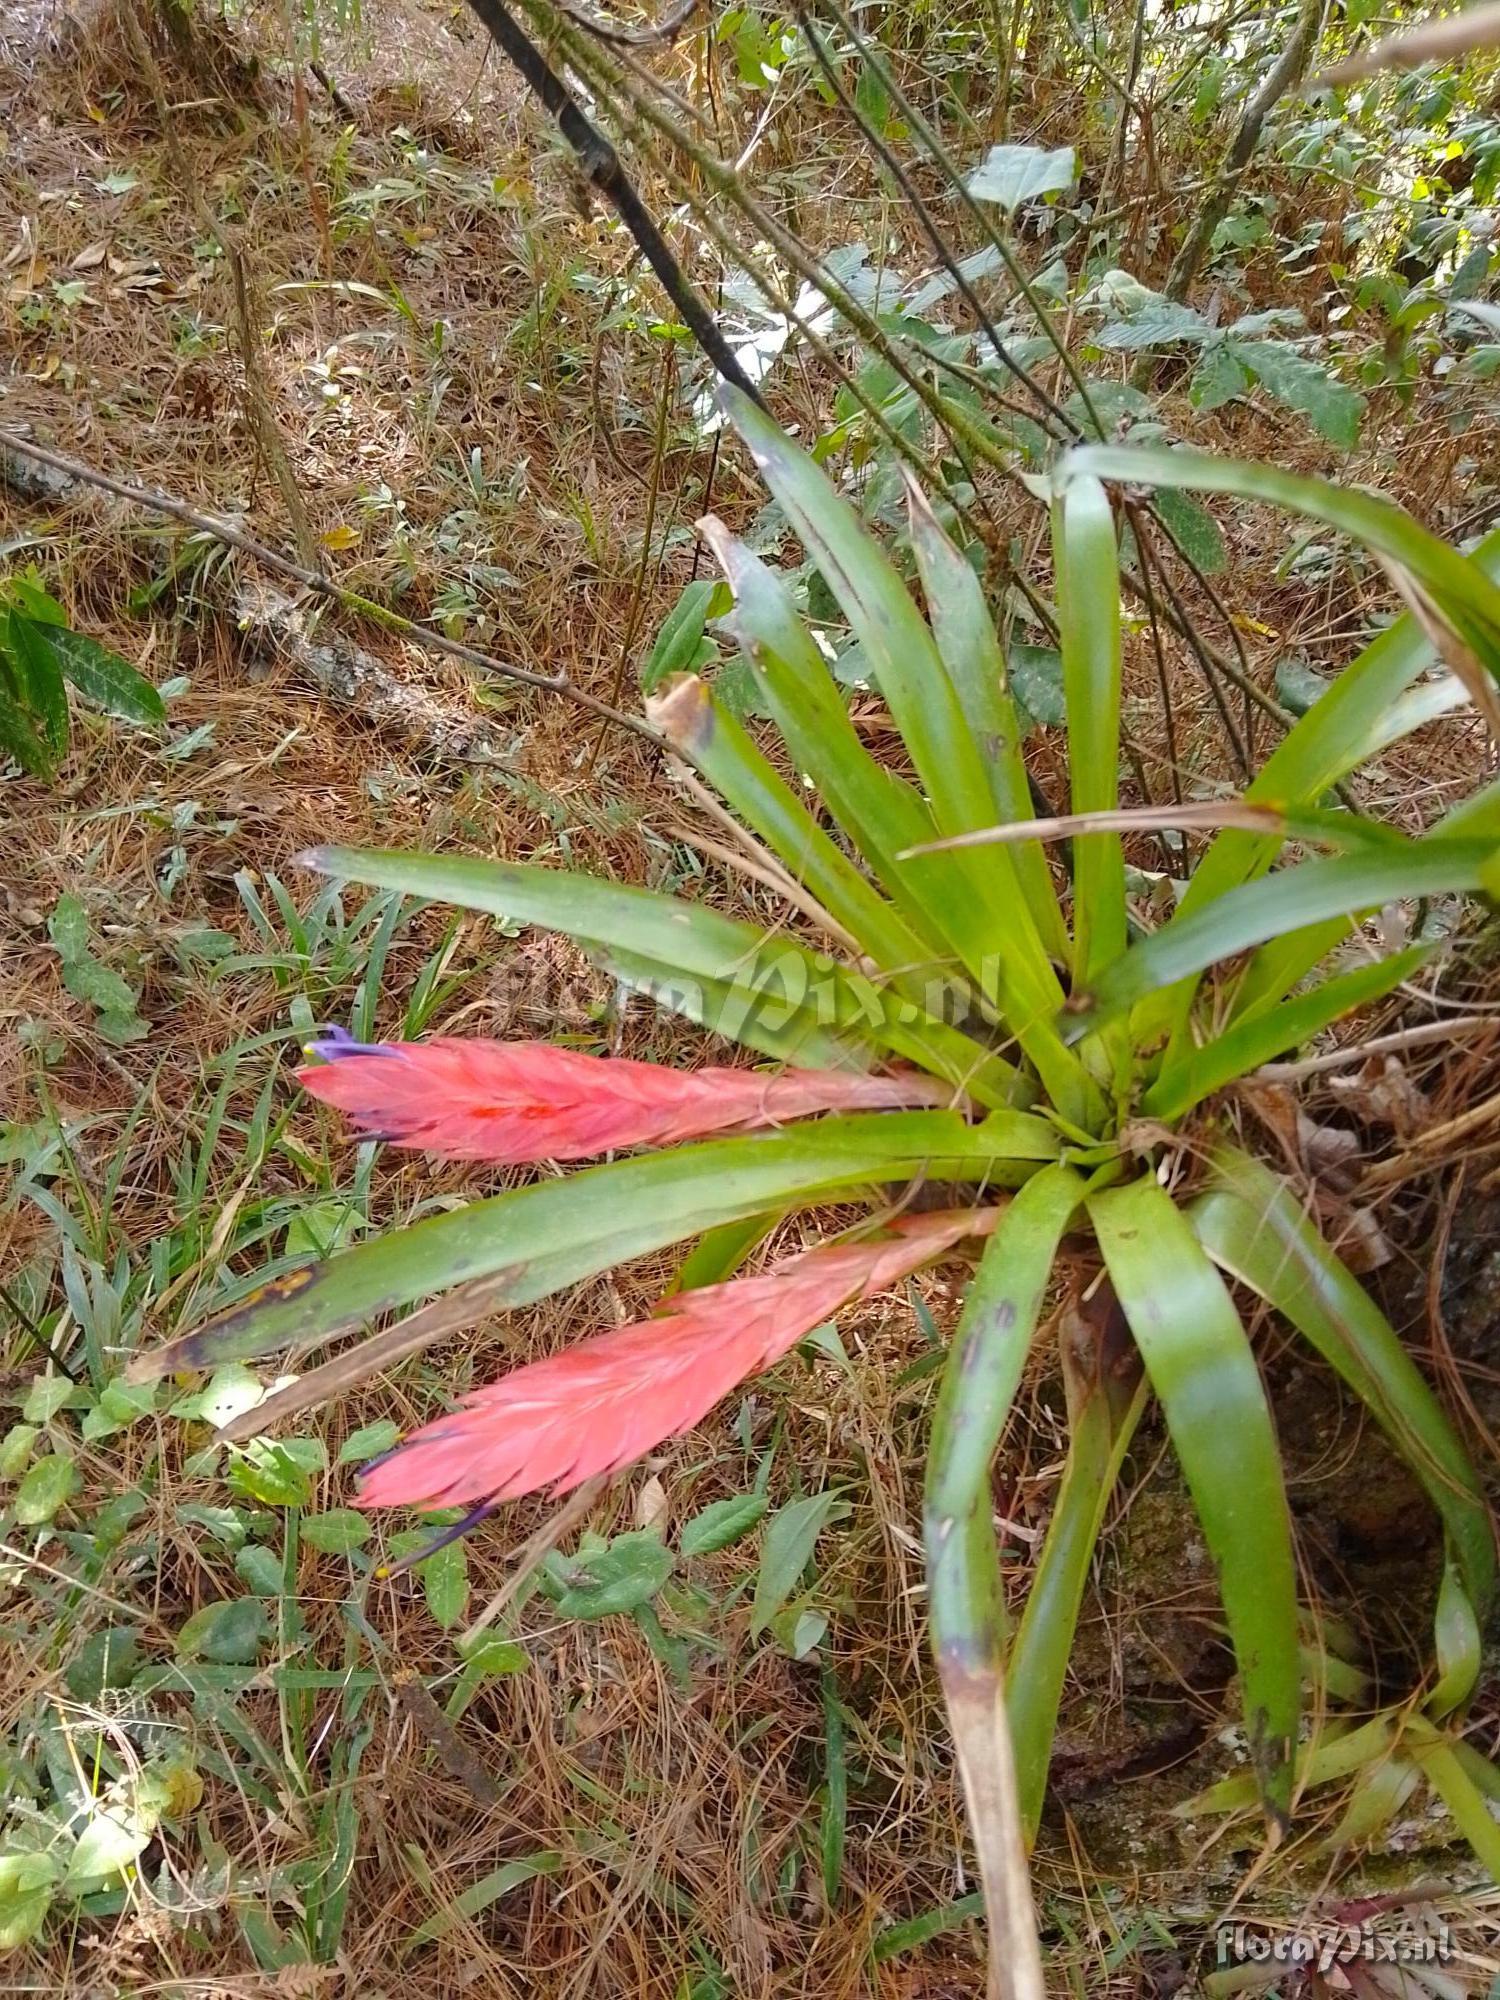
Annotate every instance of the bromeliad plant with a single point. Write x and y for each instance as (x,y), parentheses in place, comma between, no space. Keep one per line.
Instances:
(1041,1051)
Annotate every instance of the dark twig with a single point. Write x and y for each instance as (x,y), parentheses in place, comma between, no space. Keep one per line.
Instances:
(667,29)
(34,1333)
(1163,679)
(601,167)
(1284,74)
(1210,664)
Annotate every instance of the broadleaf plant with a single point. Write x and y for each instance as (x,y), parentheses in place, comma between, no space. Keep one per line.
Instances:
(40,658)
(1071,1062)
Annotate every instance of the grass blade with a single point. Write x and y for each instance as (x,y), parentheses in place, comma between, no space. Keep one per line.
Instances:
(1200,1365)
(1253,1227)
(479,1895)
(963,1566)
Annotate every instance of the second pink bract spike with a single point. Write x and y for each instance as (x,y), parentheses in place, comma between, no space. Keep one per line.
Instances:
(597,1406)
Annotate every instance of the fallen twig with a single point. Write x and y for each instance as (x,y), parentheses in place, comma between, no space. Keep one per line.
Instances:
(314,582)
(356,679)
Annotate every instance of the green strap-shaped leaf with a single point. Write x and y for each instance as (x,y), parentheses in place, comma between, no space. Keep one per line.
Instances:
(1087,559)
(1450,1778)
(1102,1416)
(1456,1629)
(1253,1226)
(697,724)
(1308,894)
(1344,727)
(1200,1365)
(766,975)
(970,650)
(1247,1043)
(778,1020)
(785,1028)
(993,932)
(1459,590)
(1337,1751)
(1282,964)
(965,1604)
(534,1240)
(880,812)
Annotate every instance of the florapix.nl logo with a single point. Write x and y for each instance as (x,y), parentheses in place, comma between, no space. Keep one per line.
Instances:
(1389,1939)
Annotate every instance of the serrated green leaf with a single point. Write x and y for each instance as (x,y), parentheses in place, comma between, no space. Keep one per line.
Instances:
(260,1570)
(119,1028)
(68,928)
(28,1883)
(1194,529)
(369,1442)
(269,1473)
(488,1653)
(102,677)
(16,1448)
(1305,385)
(120,1829)
(445,1583)
(47,1395)
(39,678)
(106,1659)
(99,986)
(678,642)
(1037,677)
(1218,378)
(722,1523)
(1156,322)
(1298,685)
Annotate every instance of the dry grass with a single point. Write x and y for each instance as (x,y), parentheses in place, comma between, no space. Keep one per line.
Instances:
(686,1819)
